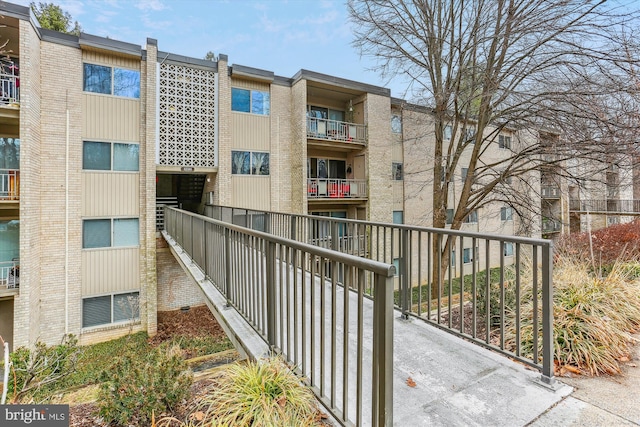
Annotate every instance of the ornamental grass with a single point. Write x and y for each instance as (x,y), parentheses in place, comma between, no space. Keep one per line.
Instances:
(595,315)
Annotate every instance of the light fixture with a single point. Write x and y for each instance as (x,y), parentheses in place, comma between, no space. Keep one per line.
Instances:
(350,106)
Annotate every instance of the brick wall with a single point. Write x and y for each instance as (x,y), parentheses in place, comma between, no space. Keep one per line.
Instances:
(27,305)
(175,288)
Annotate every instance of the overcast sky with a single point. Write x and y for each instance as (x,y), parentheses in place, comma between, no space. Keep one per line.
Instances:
(275,35)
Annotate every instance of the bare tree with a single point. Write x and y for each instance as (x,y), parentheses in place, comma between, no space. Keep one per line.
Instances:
(485,68)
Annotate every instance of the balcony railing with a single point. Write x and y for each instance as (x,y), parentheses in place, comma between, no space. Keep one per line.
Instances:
(551,226)
(9,274)
(429,287)
(611,206)
(9,89)
(320,188)
(333,130)
(550,192)
(9,184)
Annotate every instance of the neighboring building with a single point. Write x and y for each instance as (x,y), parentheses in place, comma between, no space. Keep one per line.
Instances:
(96,133)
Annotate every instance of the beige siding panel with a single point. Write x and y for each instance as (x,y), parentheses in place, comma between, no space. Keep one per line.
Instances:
(110,118)
(253,192)
(250,131)
(94,57)
(110,194)
(250,84)
(398,195)
(110,270)
(396,152)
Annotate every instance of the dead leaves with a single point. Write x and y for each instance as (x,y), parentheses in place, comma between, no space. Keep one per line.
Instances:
(411,383)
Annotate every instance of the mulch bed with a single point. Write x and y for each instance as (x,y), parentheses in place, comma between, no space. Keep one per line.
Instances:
(195,322)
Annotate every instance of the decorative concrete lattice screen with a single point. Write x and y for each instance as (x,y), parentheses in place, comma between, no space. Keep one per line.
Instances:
(187,119)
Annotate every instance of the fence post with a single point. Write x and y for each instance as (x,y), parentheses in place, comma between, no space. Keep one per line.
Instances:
(227,265)
(547,314)
(382,393)
(271,296)
(403,273)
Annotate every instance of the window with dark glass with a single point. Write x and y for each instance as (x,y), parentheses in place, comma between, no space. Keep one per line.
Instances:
(249,163)
(107,232)
(111,81)
(99,156)
(396,171)
(250,101)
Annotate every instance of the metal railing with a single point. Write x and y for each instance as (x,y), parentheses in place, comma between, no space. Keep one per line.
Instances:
(9,89)
(611,206)
(334,130)
(292,294)
(318,188)
(10,274)
(550,191)
(493,290)
(9,184)
(551,226)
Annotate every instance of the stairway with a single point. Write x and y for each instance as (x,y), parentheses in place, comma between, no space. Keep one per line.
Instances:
(160,202)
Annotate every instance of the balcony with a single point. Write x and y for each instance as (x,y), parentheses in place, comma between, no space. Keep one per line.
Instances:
(334,130)
(608,206)
(9,89)
(551,226)
(9,275)
(321,188)
(9,185)
(550,192)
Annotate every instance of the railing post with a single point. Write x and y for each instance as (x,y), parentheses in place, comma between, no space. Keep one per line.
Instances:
(382,393)
(227,265)
(547,314)
(404,277)
(271,295)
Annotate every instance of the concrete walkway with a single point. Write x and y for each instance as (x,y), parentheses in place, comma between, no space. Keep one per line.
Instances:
(439,379)
(600,401)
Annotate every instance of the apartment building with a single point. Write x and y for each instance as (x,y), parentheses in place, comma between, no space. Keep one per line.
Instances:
(96,133)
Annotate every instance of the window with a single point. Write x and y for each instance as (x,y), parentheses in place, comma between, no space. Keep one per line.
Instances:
(504,142)
(111,81)
(250,101)
(508,249)
(108,309)
(396,171)
(467,255)
(470,135)
(396,124)
(249,163)
(398,217)
(449,219)
(472,218)
(453,258)
(464,172)
(448,132)
(105,233)
(102,155)
(506,213)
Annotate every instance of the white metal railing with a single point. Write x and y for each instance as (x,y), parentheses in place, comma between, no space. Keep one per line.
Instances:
(334,130)
(9,184)
(336,188)
(550,191)
(10,274)
(9,89)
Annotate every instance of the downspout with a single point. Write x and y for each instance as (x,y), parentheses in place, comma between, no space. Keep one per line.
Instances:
(66,220)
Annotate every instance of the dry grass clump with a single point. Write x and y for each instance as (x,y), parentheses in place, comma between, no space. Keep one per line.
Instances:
(594,316)
(257,394)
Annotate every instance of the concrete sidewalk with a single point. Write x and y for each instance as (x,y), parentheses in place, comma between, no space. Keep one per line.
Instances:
(600,401)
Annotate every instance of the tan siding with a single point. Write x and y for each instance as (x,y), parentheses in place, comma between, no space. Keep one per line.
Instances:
(249,84)
(94,57)
(251,191)
(396,152)
(250,131)
(110,194)
(110,270)
(102,111)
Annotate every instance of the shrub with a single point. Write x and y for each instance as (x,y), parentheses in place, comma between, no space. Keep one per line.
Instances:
(260,394)
(38,371)
(594,316)
(136,386)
